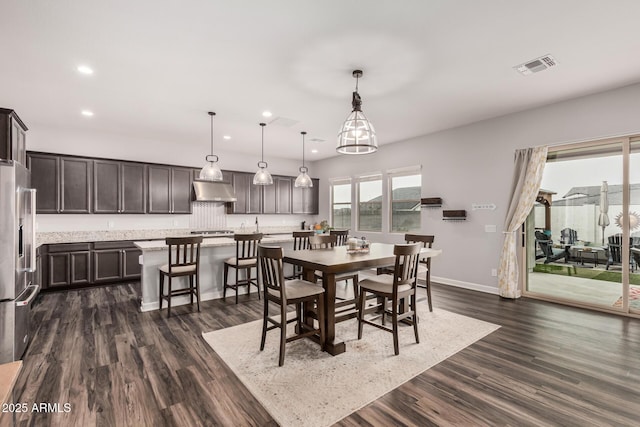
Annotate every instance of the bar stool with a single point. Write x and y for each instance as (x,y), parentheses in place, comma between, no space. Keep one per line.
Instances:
(186,263)
(246,258)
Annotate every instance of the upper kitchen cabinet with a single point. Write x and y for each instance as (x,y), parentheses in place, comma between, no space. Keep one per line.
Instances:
(63,184)
(305,200)
(249,195)
(75,184)
(45,178)
(277,197)
(119,187)
(13,137)
(169,189)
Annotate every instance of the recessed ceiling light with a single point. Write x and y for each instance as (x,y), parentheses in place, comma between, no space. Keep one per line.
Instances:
(226,137)
(314,151)
(85,69)
(87,113)
(266,114)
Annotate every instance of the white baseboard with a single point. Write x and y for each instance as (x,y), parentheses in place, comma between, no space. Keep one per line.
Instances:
(466,285)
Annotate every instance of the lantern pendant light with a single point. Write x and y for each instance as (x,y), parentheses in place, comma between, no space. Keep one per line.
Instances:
(357,135)
(211,171)
(262,176)
(303,180)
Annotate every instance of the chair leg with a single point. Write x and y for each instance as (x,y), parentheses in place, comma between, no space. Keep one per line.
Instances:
(161,290)
(361,303)
(191,289)
(283,333)
(321,320)
(384,310)
(354,279)
(169,299)
(257,284)
(197,279)
(226,283)
(237,271)
(415,316)
(428,284)
(264,324)
(394,320)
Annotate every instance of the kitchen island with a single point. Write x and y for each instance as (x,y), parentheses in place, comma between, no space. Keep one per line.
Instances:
(213,252)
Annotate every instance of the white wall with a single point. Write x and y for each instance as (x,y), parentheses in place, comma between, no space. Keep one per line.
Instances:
(121,147)
(474,164)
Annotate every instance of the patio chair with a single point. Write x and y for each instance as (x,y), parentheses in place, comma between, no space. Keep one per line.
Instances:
(615,251)
(568,236)
(550,253)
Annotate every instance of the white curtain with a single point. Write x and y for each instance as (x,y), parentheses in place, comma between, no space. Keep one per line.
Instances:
(529,165)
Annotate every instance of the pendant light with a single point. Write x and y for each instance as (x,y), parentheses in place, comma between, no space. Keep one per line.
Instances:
(262,176)
(303,180)
(211,171)
(357,135)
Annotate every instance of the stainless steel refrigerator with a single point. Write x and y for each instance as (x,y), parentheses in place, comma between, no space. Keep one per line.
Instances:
(17,259)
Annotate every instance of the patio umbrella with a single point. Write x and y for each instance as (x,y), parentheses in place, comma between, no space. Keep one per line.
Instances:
(603,219)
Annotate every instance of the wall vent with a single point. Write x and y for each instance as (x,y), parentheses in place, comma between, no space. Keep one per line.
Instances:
(536,65)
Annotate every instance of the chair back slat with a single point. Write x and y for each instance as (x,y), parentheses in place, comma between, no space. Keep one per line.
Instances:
(271,270)
(406,266)
(183,251)
(341,235)
(301,240)
(247,245)
(322,241)
(427,242)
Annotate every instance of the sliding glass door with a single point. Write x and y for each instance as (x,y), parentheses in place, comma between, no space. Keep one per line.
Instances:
(585,212)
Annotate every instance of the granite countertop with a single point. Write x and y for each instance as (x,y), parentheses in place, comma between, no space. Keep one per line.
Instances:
(45,238)
(159,245)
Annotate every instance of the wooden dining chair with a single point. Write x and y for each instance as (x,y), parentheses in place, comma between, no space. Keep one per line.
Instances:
(300,243)
(327,241)
(284,293)
(342,236)
(184,261)
(245,260)
(401,285)
(425,263)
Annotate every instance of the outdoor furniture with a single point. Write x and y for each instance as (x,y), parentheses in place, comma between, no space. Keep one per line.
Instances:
(568,236)
(284,293)
(615,251)
(551,254)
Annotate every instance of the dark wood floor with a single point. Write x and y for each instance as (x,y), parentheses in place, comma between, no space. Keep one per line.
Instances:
(547,365)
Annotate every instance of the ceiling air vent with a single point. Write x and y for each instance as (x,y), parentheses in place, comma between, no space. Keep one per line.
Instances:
(283,121)
(317,140)
(538,64)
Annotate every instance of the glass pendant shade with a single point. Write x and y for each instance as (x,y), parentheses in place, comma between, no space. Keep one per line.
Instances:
(211,171)
(357,135)
(303,180)
(262,176)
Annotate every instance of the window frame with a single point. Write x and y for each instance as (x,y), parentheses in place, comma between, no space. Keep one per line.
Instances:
(376,176)
(340,181)
(397,173)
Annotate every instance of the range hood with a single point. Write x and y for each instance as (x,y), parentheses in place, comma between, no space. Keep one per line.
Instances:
(213,191)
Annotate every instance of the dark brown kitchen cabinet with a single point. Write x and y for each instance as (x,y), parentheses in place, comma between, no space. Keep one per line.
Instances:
(45,178)
(277,197)
(13,137)
(169,189)
(305,200)
(118,187)
(68,264)
(249,195)
(75,184)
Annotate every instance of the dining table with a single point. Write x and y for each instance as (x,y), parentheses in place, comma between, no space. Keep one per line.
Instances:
(335,261)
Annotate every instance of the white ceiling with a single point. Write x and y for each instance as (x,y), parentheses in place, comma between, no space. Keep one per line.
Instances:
(428,65)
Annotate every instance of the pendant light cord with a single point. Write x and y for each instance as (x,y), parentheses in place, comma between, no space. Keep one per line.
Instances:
(303,134)
(212,132)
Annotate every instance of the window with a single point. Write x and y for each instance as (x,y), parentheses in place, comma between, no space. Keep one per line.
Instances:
(405,202)
(341,204)
(370,203)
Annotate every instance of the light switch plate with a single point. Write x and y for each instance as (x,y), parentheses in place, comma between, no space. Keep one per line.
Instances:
(490,229)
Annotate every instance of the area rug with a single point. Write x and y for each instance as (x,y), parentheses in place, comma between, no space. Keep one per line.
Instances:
(634,299)
(314,388)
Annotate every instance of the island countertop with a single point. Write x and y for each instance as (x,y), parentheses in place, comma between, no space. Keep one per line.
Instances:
(211,242)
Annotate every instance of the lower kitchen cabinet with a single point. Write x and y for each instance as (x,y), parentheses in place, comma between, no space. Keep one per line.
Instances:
(70,265)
